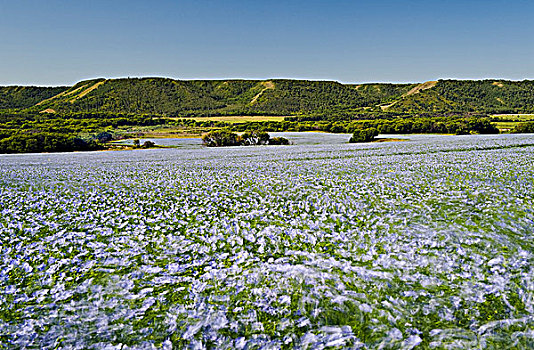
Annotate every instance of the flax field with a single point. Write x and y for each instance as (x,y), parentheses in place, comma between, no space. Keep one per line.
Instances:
(421,244)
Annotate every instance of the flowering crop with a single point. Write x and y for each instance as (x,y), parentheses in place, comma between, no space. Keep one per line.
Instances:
(427,243)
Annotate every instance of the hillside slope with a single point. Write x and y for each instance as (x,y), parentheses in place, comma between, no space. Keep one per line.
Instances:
(171,97)
(486,96)
(180,97)
(18,97)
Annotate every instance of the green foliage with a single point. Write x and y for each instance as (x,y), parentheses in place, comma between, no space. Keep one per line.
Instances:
(15,97)
(301,96)
(45,142)
(441,125)
(157,96)
(213,97)
(483,96)
(255,137)
(526,128)
(74,123)
(145,145)
(320,99)
(364,135)
(31,132)
(220,138)
(279,141)
(148,144)
(225,137)
(100,125)
(97,107)
(104,136)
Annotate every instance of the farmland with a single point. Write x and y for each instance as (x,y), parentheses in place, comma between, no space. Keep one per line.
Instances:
(426,243)
(506,122)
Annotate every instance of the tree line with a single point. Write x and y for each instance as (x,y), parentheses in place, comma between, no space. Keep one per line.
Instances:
(46,142)
(66,130)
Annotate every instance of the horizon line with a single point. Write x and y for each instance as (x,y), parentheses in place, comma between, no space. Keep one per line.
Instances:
(263,79)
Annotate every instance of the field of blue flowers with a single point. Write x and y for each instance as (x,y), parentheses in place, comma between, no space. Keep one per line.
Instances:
(427,243)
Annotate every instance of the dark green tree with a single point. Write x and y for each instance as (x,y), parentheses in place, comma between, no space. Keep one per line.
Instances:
(219,138)
(253,138)
(364,135)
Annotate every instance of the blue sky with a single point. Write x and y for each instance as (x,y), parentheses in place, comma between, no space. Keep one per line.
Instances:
(56,42)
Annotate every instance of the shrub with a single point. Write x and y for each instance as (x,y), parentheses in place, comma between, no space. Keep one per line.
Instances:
(148,144)
(364,135)
(253,138)
(278,141)
(104,137)
(219,138)
(225,137)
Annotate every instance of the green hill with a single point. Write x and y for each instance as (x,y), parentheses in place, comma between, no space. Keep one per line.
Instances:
(19,97)
(178,97)
(162,96)
(485,96)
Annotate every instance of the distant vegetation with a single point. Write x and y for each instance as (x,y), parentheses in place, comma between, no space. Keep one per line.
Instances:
(20,97)
(484,96)
(146,144)
(364,135)
(417,125)
(221,138)
(101,128)
(97,106)
(181,98)
(216,97)
(225,137)
(524,128)
(46,142)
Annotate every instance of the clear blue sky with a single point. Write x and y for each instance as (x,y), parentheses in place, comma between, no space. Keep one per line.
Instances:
(56,42)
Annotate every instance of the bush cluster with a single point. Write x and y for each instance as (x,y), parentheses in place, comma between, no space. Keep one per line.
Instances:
(364,135)
(225,137)
(146,144)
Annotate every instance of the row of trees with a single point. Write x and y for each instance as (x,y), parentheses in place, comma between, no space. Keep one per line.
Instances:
(17,130)
(46,142)
(524,128)
(445,125)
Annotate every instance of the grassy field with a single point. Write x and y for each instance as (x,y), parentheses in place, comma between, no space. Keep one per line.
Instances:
(524,117)
(510,121)
(504,126)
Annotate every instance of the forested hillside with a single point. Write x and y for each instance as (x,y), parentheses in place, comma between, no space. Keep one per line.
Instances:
(18,97)
(485,96)
(215,97)
(322,99)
